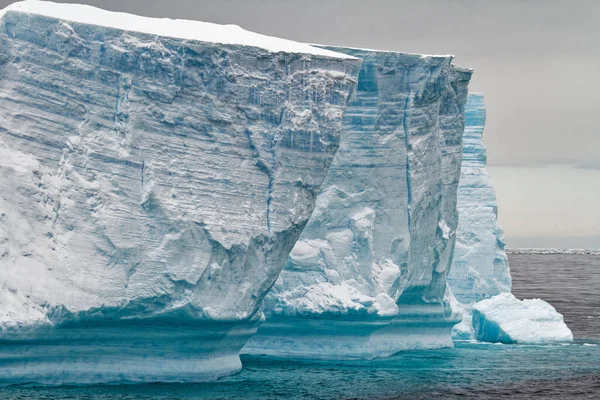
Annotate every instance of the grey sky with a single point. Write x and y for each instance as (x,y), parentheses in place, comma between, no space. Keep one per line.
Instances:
(537,62)
(550,206)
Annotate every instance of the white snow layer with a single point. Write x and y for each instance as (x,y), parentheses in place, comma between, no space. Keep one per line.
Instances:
(505,319)
(176,28)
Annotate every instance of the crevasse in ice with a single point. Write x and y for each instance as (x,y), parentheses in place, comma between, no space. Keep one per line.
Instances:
(367,277)
(155,175)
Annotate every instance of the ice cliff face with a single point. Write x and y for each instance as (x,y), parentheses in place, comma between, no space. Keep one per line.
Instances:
(367,277)
(155,175)
(480,267)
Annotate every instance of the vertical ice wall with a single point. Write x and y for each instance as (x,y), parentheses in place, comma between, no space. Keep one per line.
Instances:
(480,267)
(368,276)
(155,175)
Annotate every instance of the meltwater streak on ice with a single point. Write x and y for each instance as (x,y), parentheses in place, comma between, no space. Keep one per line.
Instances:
(152,188)
(368,276)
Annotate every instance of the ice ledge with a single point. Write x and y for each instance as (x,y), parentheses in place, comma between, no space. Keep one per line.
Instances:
(176,28)
(332,338)
(124,352)
(402,53)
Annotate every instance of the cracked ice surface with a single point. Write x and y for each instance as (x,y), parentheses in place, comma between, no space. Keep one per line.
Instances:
(151,189)
(367,277)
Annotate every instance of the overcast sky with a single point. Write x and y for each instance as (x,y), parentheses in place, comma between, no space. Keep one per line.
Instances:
(537,62)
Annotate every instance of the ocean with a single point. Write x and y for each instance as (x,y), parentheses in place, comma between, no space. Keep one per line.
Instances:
(570,282)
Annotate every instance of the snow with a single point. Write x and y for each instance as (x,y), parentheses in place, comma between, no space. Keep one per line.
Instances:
(378,246)
(505,319)
(16,313)
(388,51)
(176,28)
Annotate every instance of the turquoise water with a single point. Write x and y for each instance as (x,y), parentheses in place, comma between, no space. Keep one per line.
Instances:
(468,371)
(468,368)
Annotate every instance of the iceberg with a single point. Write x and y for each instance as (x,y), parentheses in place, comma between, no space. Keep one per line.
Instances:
(479,278)
(480,267)
(155,175)
(367,278)
(505,319)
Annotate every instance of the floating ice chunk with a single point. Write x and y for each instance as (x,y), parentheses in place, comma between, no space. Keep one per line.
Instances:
(505,319)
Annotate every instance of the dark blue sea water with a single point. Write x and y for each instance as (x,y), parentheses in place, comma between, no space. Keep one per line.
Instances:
(469,371)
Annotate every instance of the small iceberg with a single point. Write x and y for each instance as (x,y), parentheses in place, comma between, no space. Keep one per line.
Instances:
(505,319)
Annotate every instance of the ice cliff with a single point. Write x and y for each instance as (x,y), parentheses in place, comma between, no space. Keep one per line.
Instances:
(367,277)
(155,175)
(480,267)
(480,278)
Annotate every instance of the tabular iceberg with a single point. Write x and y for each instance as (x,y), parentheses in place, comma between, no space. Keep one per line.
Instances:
(367,277)
(480,267)
(505,319)
(155,175)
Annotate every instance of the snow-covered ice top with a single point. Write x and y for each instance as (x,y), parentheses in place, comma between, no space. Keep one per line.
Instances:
(505,319)
(176,28)
(387,51)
